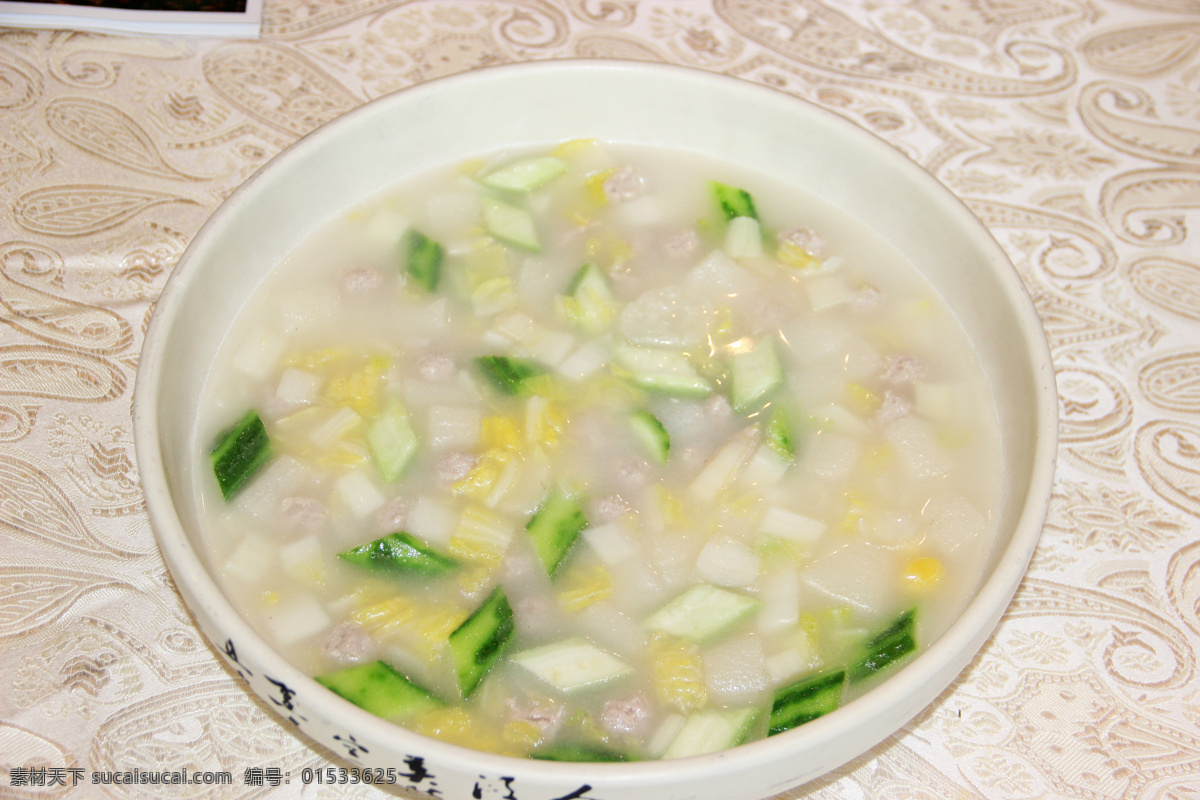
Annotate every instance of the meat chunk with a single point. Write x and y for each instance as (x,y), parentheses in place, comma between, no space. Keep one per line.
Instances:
(348,643)
(902,369)
(546,715)
(626,714)
(361,282)
(393,515)
(624,184)
(302,515)
(682,243)
(893,407)
(806,239)
(607,508)
(453,467)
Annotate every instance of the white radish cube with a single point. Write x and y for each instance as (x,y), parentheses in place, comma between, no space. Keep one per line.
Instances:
(360,494)
(724,467)
(297,618)
(612,542)
(735,670)
(831,455)
(251,559)
(586,360)
(765,468)
(295,556)
(387,225)
(828,291)
(780,596)
(916,447)
(785,524)
(298,387)
(259,353)
(432,521)
(552,347)
(727,563)
(454,427)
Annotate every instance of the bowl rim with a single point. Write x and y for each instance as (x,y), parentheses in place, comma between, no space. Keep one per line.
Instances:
(899,698)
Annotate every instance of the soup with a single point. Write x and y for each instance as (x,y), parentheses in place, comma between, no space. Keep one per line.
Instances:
(601,453)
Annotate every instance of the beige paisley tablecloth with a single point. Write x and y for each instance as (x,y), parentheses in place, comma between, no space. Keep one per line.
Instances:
(1071,127)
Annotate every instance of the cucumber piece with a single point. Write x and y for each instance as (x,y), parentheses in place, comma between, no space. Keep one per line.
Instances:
(805,700)
(701,613)
(511,224)
(525,174)
(885,648)
(780,436)
(589,303)
(572,664)
(651,433)
(241,450)
(554,527)
(733,202)
(508,373)
(580,753)
(424,261)
(743,238)
(659,369)
(479,642)
(712,731)
(392,442)
(754,374)
(400,553)
(380,688)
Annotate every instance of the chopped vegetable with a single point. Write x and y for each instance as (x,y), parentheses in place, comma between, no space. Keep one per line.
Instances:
(525,174)
(572,664)
(756,373)
(805,700)
(478,643)
(510,224)
(424,261)
(579,753)
(701,613)
(401,553)
(733,202)
(886,647)
(710,731)
(379,688)
(652,435)
(509,374)
(239,453)
(392,442)
(554,527)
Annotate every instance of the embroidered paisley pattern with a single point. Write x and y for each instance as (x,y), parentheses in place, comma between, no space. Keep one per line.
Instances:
(1071,129)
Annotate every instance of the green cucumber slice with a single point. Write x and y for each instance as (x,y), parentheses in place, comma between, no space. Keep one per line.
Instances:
(579,753)
(392,442)
(780,436)
(701,613)
(572,664)
(379,688)
(511,224)
(755,374)
(885,648)
(660,369)
(589,303)
(508,373)
(400,553)
(805,700)
(478,643)
(712,731)
(240,452)
(525,174)
(733,202)
(651,433)
(424,261)
(554,527)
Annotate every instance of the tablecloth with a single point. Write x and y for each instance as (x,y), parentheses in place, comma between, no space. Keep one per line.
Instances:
(1070,127)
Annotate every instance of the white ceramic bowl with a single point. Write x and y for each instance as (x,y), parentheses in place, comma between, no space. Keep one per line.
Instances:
(448,120)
